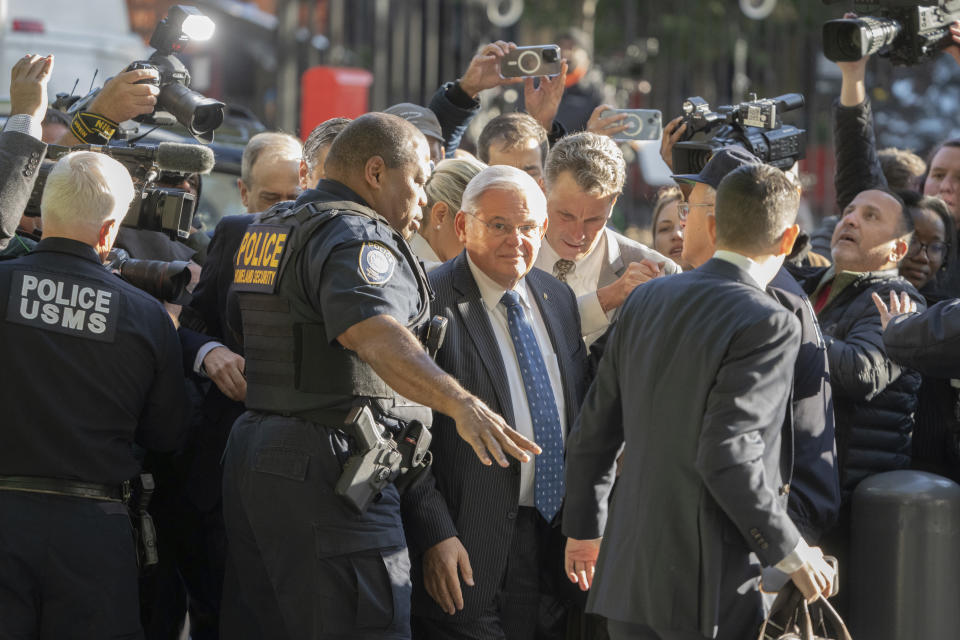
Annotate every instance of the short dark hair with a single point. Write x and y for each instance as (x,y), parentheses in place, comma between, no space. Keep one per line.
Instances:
(952,142)
(756,203)
(322,135)
(512,130)
(373,134)
(901,167)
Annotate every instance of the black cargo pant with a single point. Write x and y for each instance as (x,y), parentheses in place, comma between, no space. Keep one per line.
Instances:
(68,569)
(300,564)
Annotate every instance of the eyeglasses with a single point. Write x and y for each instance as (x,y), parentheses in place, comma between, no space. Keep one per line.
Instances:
(683,208)
(504,229)
(934,249)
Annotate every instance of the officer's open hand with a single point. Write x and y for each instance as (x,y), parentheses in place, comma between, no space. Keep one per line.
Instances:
(225,368)
(486,431)
(580,561)
(440,564)
(28,86)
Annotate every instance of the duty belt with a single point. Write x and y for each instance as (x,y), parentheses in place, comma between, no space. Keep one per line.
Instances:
(61,487)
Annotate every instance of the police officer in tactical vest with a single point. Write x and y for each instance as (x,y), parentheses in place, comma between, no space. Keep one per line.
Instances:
(91,366)
(333,306)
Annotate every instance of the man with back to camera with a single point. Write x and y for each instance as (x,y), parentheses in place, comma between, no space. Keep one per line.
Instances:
(814,496)
(68,567)
(509,331)
(694,385)
(584,177)
(334,332)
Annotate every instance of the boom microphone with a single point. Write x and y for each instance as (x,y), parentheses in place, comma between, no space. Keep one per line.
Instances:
(184,158)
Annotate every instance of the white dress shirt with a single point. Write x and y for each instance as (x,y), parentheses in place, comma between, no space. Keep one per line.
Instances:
(584,280)
(491,292)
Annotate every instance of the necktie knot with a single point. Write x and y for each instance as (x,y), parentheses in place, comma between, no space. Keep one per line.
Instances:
(510,299)
(562,268)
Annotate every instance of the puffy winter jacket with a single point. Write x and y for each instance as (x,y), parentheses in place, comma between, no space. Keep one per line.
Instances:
(873,398)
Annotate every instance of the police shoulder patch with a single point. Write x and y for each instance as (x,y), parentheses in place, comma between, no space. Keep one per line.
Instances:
(377,263)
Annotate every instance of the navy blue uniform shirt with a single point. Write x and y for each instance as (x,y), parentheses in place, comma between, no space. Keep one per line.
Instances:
(91,365)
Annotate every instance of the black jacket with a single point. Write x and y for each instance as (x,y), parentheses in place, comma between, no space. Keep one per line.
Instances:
(873,397)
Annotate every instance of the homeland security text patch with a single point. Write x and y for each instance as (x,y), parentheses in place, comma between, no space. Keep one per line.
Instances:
(54,302)
(376,263)
(257,263)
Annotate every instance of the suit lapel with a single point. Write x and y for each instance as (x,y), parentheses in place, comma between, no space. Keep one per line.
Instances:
(477,324)
(612,267)
(554,329)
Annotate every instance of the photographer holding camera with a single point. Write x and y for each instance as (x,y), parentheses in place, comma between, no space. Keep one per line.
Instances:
(68,566)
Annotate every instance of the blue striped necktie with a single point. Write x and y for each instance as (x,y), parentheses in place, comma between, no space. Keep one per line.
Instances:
(548,478)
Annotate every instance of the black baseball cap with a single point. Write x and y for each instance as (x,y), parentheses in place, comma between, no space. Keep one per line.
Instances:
(422,118)
(724,161)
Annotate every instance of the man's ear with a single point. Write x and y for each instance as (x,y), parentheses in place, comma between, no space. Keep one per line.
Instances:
(373,172)
(787,240)
(304,174)
(105,237)
(899,249)
(460,226)
(243,192)
(712,229)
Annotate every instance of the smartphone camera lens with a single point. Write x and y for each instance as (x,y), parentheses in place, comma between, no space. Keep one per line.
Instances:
(551,55)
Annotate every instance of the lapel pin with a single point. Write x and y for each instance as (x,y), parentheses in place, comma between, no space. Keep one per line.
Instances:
(544,295)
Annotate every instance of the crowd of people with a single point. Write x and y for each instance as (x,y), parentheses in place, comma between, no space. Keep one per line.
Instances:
(624,441)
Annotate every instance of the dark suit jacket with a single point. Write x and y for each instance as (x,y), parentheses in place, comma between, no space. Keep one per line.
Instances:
(694,384)
(815,484)
(203,320)
(928,342)
(462,497)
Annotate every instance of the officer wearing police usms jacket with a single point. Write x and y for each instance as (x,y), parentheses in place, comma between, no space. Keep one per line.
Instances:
(91,365)
(331,296)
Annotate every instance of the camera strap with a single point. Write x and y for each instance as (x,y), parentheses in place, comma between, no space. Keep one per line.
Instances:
(92,128)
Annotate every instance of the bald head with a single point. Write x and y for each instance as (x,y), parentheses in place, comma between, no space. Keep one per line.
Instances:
(386,136)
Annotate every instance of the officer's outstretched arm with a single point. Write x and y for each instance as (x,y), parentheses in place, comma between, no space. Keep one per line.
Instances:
(398,357)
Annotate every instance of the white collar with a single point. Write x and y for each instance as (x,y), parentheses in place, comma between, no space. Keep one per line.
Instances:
(491,292)
(760,272)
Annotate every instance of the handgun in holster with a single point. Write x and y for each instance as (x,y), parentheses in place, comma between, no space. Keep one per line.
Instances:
(138,494)
(385,451)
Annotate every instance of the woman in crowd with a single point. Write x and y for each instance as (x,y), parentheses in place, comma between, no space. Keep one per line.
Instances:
(437,241)
(943,180)
(667,230)
(934,229)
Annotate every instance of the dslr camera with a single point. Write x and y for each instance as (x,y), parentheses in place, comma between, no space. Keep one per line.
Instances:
(541,60)
(907,33)
(754,125)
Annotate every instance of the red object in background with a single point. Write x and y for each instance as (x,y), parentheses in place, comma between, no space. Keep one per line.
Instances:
(332,92)
(821,162)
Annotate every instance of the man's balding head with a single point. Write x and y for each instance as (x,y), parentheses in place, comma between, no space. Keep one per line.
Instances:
(269,170)
(386,161)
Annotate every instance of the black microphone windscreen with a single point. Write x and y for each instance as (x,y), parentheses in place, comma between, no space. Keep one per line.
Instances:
(184,158)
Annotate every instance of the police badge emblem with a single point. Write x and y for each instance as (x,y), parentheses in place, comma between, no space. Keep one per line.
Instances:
(376,263)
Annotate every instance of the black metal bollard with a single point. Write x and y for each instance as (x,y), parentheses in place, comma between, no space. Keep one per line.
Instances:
(905,557)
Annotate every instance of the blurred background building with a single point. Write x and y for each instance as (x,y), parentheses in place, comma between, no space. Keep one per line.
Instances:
(653,54)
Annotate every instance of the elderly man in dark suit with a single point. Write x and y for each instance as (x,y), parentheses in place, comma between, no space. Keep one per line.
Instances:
(694,386)
(513,339)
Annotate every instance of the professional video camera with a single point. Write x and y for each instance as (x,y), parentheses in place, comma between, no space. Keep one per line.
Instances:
(906,32)
(166,281)
(754,125)
(153,208)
